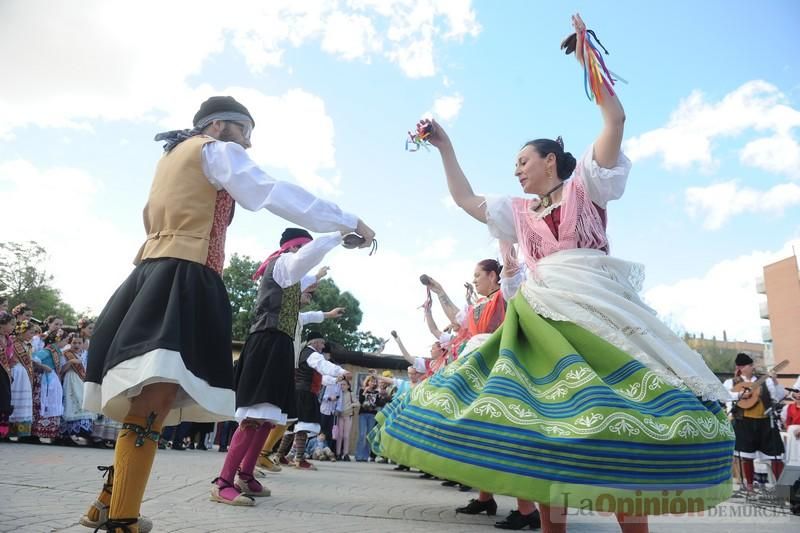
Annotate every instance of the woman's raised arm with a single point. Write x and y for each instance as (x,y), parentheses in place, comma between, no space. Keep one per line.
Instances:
(457,182)
(608,143)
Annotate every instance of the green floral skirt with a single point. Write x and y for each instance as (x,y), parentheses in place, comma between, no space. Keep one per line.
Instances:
(546,411)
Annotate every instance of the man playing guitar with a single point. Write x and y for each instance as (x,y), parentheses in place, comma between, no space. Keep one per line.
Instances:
(754,432)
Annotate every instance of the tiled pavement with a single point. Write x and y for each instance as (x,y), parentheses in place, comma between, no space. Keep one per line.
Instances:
(46,488)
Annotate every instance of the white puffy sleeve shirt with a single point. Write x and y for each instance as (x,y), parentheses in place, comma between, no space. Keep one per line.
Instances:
(291,268)
(602,186)
(227,166)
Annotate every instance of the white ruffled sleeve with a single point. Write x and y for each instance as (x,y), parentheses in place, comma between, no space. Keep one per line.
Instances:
(227,166)
(500,218)
(604,184)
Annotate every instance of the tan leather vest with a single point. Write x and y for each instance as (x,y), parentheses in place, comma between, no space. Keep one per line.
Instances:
(180,209)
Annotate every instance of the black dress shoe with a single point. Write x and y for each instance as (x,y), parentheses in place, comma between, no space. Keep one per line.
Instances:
(464,488)
(402,468)
(516,520)
(476,507)
(426,476)
(449,483)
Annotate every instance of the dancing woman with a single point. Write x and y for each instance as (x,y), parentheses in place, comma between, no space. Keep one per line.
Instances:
(494,286)
(582,397)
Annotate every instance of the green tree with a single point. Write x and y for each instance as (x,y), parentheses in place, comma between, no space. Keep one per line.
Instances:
(369,343)
(23,278)
(242,291)
(342,331)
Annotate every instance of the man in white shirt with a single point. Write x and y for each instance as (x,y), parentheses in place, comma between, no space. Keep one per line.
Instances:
(753,427)
(312,372)
(161,347)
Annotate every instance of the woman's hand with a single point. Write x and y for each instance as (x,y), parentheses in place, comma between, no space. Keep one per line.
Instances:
(438,137)
(580,27)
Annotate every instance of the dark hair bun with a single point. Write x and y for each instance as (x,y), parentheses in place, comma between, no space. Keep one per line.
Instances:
(566,165)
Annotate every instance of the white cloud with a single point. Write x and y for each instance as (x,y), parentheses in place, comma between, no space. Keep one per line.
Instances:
(439,249)
(350,36)
(448,202)
(724,298)
(690,134)
(117,60)
(779,154)
(720,202)
(89,256)
(447,107)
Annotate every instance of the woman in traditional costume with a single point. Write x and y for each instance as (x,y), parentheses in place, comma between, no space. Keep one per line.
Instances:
(76,423)
(790,415)
(583,398)
(494,286)
(48,394)
(21,364)
(7,324)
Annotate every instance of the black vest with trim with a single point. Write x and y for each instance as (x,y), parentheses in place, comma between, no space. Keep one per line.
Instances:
(276,307)
(304,374)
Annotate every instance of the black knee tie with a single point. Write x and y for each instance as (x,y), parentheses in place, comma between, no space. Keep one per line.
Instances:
(144,432)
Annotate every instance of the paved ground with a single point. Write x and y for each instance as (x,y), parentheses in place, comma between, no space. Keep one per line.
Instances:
(45,489)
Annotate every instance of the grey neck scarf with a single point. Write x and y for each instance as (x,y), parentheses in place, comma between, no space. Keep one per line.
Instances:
(175,137)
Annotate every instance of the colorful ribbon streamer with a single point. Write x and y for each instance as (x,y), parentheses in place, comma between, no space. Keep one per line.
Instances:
(595,72)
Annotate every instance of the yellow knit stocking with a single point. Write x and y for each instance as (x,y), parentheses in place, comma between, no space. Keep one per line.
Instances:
(274,436)
(133,458)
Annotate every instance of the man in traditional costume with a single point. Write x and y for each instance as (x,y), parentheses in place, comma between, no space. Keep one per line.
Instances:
(264,379)
(161,350)
(753,427)
(312,371)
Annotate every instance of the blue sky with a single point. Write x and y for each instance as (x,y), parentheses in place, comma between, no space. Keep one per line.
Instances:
(713,107)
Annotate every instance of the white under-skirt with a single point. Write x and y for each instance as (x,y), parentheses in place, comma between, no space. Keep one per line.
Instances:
(73,399)
(600,294)
(51,396)
(197,401)
(262,411)
(21,395)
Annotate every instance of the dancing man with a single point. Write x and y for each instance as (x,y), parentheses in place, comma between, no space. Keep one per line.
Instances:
(264,380)
(161,349)
(313,371)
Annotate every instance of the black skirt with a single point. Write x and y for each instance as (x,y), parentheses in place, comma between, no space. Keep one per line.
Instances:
(757,435)
(307,407)
(5,394)
(168,304)
(265,371)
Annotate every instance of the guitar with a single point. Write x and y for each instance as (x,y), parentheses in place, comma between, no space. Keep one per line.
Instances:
(754,387)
